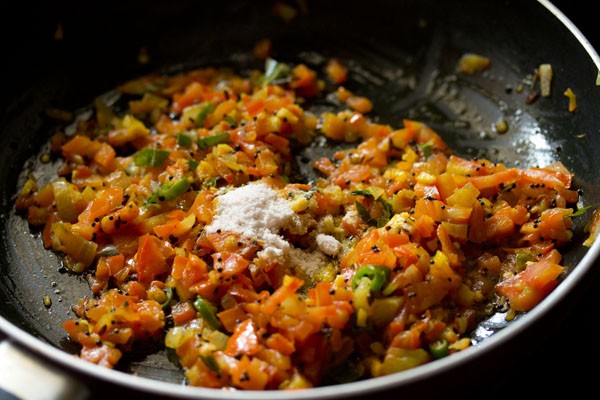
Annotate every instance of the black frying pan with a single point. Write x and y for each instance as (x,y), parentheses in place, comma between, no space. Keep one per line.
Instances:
(402,55)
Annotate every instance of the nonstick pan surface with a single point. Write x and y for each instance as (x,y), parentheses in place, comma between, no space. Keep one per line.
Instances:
(402,55)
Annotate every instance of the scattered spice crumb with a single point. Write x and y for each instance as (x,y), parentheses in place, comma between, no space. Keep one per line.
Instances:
(501,126)
(572,99)
(471,63)
(532,97)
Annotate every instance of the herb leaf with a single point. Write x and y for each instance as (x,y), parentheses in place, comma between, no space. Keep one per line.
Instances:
(582,210)
(275,71)
(427,149)
(386,207)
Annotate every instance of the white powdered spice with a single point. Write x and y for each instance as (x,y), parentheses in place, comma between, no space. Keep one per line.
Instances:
(256,212)
(328,244)
(309,261)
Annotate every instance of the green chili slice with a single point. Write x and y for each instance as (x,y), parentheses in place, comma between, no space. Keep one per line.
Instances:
(207,311)
(205,110)
(192,164)
(169,292)
(184,140)
(387,212)
(523,257)
(175,190)
(439,348)
(366,193)
(169,191)
(364,213)
(350,371)
(229,119)
(210,362)
(209,141)
(148,157)
(378,274)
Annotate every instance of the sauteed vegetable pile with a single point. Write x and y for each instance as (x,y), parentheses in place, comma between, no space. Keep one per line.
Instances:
(186,213)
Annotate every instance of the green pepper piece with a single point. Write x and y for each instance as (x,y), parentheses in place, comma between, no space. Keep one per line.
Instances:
(439,348)
(184,140)
(148,157)
(209,141)
(203,113)
(378,274)
(207,311)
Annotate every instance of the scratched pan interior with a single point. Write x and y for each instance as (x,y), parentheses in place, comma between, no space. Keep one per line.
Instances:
(402,55)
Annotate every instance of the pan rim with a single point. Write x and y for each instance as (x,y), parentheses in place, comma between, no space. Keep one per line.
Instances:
(421,373)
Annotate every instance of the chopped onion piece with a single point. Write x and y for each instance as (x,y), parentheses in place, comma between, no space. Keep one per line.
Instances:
(545,79)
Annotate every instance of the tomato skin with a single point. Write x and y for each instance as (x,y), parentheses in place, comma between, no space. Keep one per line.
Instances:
(244,340)
(494,181)
(183,313)
(548,177)
(556,224)
(526,289)
(151,261)
(102,355)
